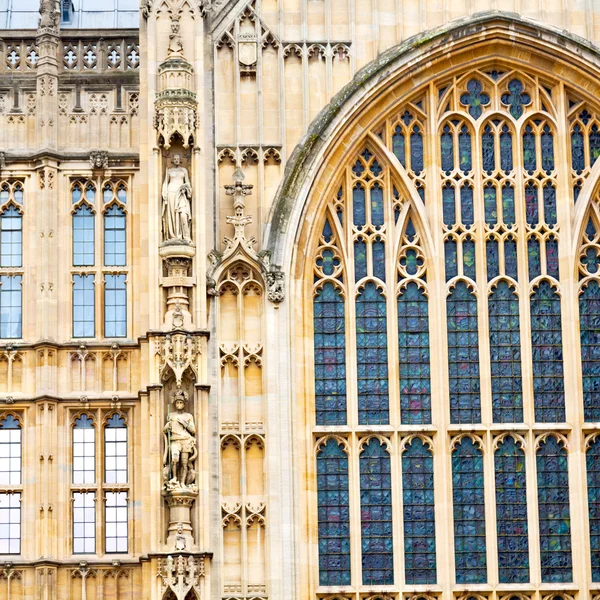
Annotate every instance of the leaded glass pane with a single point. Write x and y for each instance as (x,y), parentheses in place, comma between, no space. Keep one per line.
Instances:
(115,450)
(333,515)
(589,319)
(378,252)
(376,515)
(419,514)
(84,522)
(115,254)
(593,483)
(10,451)
(413,348)
(511,513)
(10,523)
(358,202)
(546,346)
(371,356)
(416,149)
(505,355)
(554,514)
(450,259)
(463,355)
(469,513)
(84,306)
(360,259)
(116,522)
(330,356)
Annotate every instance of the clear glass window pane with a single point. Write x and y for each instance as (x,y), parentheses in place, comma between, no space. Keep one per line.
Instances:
(11,238)
(10,306)
(115,306)
(116,522)
(115,237)
(84,451)
(10,451)
(10,523)
(84,522)
(84,306)
(83,237)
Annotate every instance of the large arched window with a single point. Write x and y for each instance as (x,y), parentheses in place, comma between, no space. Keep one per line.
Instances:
(443,292)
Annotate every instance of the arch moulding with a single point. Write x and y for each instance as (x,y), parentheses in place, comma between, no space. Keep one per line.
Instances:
(377,88)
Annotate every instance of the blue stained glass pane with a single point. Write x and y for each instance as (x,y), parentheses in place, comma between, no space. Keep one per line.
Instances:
(511,513)
(590,230)
(327,232)
(413,349)
(475,98)
(510,258)
(333,515)
(589,319)
(593,481)
(508,205)
(448,204)
(450,259)
(371,356)
(469,258)
(516,98)
(577,154)
(533,258)
(546,342)
(411,261)
(377,218)
(594,144)
(376,515)
(328,262)
(375,168)
(554,514)
(84,422)
(487,150)
(115,422)
(489,203)
(469,513)
(463,355)
(505,355)
(492,259)
(547,149)
(358,201)
(506,150)
(466,205)
(464,149)
(330,356)
(416,149)
(552,257)
(378,249)
(529,153)
(576,191)
(399,145)
(419,514)
(549,204)
(447,149)
(360,259)
(531,204)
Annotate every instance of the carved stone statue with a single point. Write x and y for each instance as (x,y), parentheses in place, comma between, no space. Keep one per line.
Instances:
(176,207)
(49,14)
(180,446)
(175,45)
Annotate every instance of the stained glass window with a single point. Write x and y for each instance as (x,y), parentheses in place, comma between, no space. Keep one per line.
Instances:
(333,514)
(511,512)
(463,355)
(413,347)
(546,346)
(419,513)
(330,356)
(376,514)
(554,514)
(505,355)
(371,356)
(589,315)
(593,483)
(469,513)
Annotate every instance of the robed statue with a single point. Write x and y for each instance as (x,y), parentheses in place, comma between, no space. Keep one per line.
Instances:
(176,203)
(180,445)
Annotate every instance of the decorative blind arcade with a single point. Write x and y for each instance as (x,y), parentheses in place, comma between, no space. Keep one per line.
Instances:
(494,167)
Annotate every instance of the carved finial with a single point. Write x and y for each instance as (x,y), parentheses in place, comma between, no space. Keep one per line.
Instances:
(49,16)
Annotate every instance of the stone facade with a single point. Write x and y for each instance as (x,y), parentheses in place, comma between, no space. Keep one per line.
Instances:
(183,171)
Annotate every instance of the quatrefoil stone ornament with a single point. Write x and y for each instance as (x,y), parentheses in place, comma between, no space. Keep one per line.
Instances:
(475,98)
